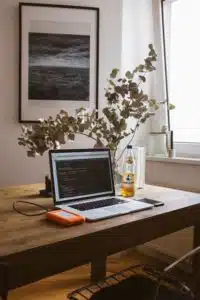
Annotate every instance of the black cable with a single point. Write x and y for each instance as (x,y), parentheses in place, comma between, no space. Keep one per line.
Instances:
(31,203)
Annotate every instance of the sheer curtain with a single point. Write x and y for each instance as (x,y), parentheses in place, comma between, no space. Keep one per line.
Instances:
(183,41)
(142,26)
(158,85)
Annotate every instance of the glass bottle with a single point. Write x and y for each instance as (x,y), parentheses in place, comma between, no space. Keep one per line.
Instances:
(128,178)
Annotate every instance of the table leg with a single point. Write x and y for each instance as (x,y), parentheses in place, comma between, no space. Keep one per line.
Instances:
(98,269)
(196,262)
(4,297)
(4,281)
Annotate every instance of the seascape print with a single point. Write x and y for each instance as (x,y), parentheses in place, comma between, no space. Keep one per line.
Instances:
(59,66)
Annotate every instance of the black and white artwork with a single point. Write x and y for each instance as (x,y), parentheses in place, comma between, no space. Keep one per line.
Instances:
(58,60)
(59,66)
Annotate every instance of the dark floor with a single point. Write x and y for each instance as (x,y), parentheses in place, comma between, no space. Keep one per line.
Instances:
(57,287)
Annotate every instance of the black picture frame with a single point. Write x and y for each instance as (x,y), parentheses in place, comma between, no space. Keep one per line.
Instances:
(35,59)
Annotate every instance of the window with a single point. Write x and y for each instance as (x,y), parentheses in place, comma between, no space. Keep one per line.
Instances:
(182,41)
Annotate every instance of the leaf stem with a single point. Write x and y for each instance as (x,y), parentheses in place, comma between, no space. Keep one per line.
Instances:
(129,141)
(91,137)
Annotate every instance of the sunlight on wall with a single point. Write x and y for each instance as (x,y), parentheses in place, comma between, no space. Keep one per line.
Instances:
(184,70)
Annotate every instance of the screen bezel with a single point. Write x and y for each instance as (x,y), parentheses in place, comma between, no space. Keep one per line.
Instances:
(112,193)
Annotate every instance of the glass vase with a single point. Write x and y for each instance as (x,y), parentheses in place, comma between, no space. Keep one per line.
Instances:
(117,176)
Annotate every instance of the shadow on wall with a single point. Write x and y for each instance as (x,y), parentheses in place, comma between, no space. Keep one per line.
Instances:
(174,175)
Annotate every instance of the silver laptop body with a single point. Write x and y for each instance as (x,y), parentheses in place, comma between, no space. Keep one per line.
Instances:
(82,182)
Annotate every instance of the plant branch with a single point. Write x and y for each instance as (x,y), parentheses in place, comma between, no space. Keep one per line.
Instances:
(144,73)
(137,124)
(125,99)
(91,137)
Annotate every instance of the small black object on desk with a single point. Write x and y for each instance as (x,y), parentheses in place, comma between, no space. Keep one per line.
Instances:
(47,192)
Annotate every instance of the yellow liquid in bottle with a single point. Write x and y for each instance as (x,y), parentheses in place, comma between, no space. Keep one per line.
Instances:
(128,179)
(128,186)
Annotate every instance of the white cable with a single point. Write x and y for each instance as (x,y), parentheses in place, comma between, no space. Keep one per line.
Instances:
(188,254)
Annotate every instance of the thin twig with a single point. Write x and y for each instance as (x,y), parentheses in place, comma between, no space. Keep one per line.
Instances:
(91,137)
(128,142)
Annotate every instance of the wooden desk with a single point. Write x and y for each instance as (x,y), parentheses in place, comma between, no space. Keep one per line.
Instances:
(32,248)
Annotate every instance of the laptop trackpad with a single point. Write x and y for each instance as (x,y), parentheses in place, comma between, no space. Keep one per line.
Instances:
(129,207)
(134,204)
(118,208)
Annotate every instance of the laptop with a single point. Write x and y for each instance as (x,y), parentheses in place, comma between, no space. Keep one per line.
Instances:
(82,183)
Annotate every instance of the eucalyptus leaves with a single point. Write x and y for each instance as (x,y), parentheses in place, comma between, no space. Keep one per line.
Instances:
(125,100)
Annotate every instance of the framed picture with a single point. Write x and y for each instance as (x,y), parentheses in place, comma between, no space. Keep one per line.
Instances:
(58,59)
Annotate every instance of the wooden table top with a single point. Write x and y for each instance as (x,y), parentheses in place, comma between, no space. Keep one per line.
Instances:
(21,233)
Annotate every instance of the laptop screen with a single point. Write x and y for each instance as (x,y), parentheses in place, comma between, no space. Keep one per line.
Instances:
(81,174)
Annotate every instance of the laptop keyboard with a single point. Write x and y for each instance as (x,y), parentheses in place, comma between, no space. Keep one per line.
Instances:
(97,204)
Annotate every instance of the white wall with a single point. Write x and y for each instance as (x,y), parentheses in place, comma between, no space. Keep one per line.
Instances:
(179,176)
(137,20)
(15,167)
(175,175)
(137,34)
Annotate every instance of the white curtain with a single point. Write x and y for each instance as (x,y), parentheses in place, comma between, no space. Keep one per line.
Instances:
(141,25)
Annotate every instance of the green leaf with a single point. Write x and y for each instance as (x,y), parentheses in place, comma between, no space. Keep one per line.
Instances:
(143,78)
(137,115)
(120,90)
(152,102)
(171,106)
(65,128)
(114,73)
(122,125)
(71,120)
(139,68)
(111,82)
(87,125)
(153,58)
(152,52)
(125,113)
(129,75)
(106,111)
(150,46)
(99,135)
(112,97)
(21,143)
(36,127)
(126,134)
(31,153)
(80,110)
(142,97)
(63,112)
(61,137)
(81,127)
(145,117)
(24,129)
(71,136)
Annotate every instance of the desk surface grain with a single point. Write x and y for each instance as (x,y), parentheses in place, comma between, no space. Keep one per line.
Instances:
(22,233)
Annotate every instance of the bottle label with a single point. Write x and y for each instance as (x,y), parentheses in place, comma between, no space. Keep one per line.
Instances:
(128,178)
(128,186)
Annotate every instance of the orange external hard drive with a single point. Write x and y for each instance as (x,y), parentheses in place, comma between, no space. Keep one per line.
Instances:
(64,217)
